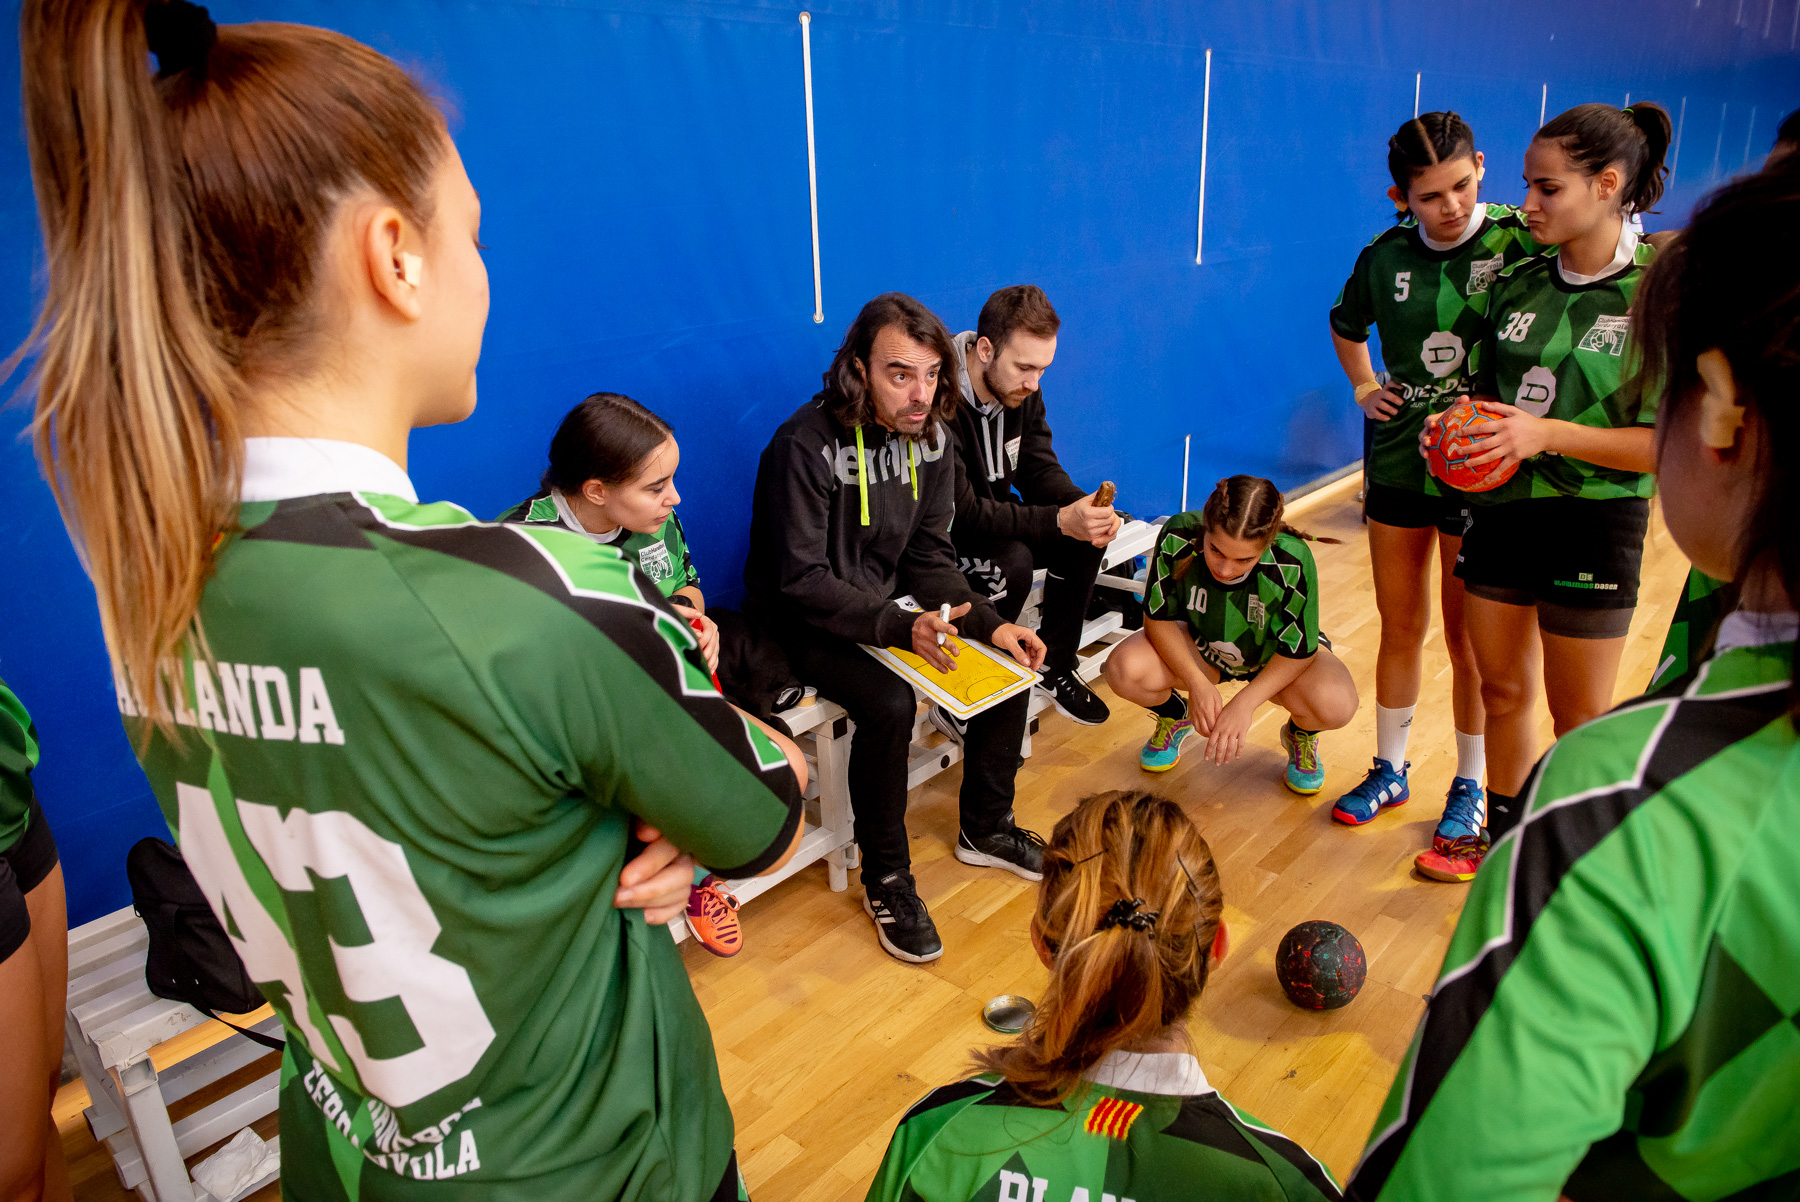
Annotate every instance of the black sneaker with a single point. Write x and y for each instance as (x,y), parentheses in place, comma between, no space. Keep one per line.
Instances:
(1072,698)
(1013,848)
(949,725)
(901,922)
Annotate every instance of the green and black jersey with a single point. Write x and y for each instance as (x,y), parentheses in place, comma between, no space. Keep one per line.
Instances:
(1238,627)
(1618,1014)
(18,756)
(406,782)
(1557,349)
(662,556)
(1144,1127)
(1697,615)
(1430,308)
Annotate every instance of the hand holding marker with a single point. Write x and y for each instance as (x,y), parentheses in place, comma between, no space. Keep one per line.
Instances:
(943,616)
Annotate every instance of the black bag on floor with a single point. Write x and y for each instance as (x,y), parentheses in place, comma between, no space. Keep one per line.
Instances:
(191,958)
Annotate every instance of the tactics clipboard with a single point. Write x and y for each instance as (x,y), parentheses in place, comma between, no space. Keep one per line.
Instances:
(983,677)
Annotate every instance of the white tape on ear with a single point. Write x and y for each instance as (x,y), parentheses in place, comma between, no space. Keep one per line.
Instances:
(410,267)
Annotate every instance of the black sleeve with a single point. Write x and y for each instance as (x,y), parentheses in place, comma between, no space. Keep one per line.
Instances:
(1354,312)
(928,565)
(793,493)
(987,518)
(1039,477)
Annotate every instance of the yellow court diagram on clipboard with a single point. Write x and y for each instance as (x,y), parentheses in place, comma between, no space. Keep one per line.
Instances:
(983,677)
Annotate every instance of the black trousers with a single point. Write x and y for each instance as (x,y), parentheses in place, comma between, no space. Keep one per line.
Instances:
(883,706)
(1000,570)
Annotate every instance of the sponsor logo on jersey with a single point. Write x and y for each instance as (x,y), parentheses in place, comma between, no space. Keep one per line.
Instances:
(1259,616)
(1607,334)
(1112,1117)
(1442,353)
(1537,391)
(1226,653)
(252,700)
(654,560)
(1483,273)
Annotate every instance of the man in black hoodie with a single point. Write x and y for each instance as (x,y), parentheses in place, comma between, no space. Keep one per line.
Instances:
(850,544)
(1016,509)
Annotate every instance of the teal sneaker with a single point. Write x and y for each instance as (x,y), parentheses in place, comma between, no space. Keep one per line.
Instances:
(1465,813)
(1164,747)
(1383,787)
(1305,771)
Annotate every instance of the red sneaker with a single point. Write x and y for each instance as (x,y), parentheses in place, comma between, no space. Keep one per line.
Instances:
(1455,860)
(712,917)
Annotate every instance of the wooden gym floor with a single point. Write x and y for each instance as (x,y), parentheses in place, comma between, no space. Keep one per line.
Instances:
(824,1041)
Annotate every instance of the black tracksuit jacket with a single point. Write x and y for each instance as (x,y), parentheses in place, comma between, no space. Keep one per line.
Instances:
(1000,453)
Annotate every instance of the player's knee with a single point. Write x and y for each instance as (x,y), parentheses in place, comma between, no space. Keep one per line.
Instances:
(1503,695)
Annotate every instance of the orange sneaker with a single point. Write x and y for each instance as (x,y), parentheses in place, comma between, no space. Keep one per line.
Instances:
(1455,860)
(712,917)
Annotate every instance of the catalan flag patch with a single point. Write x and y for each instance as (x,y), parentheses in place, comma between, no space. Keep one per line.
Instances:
(1112,1117)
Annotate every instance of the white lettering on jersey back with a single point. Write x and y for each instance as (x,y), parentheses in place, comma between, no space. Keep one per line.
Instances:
(234,682)
(273,682)
(439,998)
(1442,353)
(173,688)
(1537,390)
(1017,1187)
(316,716)
(1606,335)
(1483,272)
(206,699)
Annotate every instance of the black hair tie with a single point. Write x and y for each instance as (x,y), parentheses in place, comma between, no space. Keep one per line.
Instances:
(181,35)
(1129,913)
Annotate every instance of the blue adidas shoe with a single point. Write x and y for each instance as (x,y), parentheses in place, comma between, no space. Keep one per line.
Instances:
(1465,813)
(1305,773)
(1380,789)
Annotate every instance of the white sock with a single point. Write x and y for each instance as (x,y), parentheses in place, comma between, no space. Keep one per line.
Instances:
(1391,729)
(1471,756)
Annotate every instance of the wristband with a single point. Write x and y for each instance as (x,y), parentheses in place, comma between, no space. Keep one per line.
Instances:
(1365,388)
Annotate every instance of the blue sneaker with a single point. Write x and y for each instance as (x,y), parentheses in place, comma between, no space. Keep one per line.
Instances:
(1305,770)
(1383,787)
(1465,813)
(1164,747)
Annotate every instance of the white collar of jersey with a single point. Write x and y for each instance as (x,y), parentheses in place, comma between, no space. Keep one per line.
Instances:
(278,468)
(1173,1073)
(1622,258)
(1744,628)
(569,519)
(1476,219)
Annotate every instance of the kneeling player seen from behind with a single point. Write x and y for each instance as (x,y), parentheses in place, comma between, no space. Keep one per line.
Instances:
(612,478)
(1614,1018)
(1424,285)
(1101,1096)
(403,751)
(1233,595)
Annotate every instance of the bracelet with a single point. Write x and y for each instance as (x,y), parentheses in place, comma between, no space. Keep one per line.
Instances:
(1365,388)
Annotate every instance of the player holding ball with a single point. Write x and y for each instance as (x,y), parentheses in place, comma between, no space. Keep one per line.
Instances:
(1550,562)
(1424,285)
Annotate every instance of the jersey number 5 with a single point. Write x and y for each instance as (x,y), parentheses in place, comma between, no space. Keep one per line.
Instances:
(390,958)
(1402,285)
(1516,326)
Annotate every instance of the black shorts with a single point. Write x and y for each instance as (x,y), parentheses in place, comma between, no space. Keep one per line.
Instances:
(1576,559)
(1410,510)
(23,867)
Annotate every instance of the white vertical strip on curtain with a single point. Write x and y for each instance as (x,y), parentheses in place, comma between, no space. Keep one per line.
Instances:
(812,166)
(1205,121)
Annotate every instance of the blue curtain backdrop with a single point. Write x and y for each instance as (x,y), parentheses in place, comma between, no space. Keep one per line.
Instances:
(642,167)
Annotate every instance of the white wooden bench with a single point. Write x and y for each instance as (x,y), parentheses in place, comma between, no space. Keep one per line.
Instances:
(113,1021)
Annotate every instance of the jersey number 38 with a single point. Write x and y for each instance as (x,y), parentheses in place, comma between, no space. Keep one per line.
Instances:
(394,962)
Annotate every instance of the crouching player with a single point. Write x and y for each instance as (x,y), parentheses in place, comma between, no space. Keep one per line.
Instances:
(1233,595)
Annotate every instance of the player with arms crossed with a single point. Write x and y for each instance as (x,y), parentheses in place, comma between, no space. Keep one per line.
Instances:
(1615,1015)
(1101,1097)
(402,750)
(611,478)
(1424,285)
(1550,562)
(1232,594)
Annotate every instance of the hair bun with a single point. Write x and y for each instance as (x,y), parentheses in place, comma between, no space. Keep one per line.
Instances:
(181,35)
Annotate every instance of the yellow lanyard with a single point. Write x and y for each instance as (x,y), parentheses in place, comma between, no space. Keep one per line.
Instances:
(862,472)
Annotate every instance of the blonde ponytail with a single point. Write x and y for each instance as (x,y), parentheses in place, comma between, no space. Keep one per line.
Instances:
(181,218)
(1128,908)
